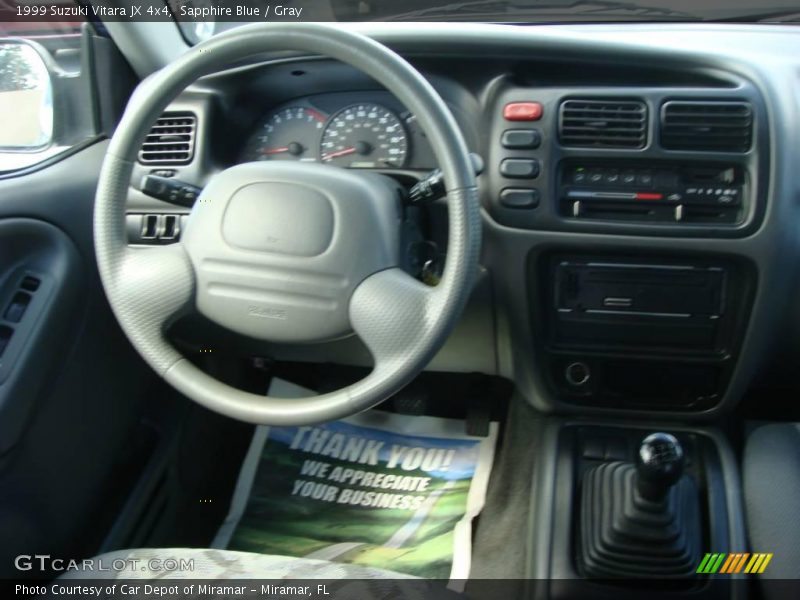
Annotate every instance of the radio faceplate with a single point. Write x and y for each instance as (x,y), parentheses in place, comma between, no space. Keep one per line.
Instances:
(639,304)
(627,288)
(664,193)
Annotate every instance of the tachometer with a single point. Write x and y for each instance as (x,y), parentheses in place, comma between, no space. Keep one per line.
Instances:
(365,135)
(288,134)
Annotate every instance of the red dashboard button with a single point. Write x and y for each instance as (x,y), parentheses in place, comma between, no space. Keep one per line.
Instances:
(649,196)
(522,111)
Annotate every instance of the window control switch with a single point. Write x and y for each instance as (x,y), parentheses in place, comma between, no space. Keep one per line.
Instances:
(5,337)
(29,283)
(17,307)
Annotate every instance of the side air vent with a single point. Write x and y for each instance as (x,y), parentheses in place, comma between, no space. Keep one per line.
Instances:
(170,141)
(603,123)
(710,126)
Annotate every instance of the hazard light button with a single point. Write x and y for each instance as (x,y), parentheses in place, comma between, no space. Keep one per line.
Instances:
(523,111)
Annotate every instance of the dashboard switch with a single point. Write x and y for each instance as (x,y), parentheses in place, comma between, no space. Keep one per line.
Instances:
(523,111)
(521,138)
(520,168)
(519,198)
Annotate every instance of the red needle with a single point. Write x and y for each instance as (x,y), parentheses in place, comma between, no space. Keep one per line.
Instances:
(275,150)
(344,152)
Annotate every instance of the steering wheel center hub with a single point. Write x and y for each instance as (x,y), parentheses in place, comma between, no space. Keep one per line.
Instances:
(278,248)
(293,219)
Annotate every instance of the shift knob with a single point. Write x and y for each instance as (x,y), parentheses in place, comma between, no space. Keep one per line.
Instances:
(659,465)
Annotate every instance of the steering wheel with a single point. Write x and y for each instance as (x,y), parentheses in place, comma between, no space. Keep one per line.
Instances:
(289,252)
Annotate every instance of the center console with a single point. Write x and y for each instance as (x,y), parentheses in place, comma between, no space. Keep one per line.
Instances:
(633,212)
(638,202)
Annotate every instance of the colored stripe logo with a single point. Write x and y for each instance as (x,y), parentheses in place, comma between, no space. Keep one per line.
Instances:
(731,563)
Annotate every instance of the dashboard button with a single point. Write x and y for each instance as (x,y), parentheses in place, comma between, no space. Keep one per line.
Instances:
(645,178)
(579,176)
(519,197)
(707,197)
(521,138)
(519,168)
(523,111)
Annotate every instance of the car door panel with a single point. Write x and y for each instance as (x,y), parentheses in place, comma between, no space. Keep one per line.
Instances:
(73,393)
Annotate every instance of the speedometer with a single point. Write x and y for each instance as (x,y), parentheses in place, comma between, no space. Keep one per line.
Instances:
(365,135)
(288,134)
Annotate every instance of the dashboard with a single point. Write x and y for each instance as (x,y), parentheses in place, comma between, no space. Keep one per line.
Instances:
(636,195)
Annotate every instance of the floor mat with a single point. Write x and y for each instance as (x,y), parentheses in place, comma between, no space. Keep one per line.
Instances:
(382,490)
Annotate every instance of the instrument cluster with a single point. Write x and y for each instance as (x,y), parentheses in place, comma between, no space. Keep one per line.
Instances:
(346,130)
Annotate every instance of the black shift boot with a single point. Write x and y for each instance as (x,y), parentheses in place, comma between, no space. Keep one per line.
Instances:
(643,520)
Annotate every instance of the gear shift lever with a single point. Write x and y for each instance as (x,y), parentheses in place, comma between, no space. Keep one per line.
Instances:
(649,510)
(659,465)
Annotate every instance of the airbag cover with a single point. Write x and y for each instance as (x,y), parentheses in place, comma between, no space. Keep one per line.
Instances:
(279,217)
(278,247)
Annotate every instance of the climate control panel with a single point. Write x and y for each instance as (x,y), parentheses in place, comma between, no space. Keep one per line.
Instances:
(678,193)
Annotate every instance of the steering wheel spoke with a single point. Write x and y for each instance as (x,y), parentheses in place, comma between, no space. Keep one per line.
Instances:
(150,288)
(394,315)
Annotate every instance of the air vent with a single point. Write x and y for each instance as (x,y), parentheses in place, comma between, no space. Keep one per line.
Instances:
(603,123)
(170,141)
(710,126)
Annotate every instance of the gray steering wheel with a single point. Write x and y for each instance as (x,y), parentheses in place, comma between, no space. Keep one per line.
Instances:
(289,252)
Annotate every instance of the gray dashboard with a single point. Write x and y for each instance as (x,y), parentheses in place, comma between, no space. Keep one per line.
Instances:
(508,326)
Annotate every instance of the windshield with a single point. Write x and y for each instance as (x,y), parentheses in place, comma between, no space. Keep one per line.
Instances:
(200,19)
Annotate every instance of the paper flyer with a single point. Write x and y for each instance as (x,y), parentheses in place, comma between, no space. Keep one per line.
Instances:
(382,490)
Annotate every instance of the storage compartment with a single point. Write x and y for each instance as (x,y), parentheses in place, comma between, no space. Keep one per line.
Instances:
(636,384)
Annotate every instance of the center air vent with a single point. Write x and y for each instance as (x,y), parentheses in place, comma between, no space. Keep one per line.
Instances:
(710,126)
(170,141)
(603,123)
